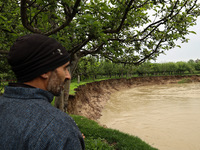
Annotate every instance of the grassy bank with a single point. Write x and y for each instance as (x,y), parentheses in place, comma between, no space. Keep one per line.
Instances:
(74,84)
(99,138)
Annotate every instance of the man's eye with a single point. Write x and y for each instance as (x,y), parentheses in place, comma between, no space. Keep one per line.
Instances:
(67,68)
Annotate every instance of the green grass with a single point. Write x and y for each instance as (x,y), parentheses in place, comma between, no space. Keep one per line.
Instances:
(185,80)
(2,87)
(1,90)
(99,138)
(74,84)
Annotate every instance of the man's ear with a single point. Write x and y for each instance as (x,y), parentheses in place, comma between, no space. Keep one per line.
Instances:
(46,75)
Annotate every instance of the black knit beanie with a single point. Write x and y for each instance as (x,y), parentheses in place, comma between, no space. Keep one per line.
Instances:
(34,54)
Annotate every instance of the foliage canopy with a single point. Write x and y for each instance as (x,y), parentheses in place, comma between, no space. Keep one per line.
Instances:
(125,31)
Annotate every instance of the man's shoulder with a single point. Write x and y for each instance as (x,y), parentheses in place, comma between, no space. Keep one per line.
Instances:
(56,116)
(60,127)
(45,108)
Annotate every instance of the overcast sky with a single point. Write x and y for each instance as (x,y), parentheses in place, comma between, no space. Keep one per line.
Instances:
(190,50)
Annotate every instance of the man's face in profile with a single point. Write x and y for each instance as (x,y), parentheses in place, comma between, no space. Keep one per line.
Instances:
(58,78)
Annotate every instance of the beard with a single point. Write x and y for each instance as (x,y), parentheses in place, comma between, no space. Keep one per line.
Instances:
(55,84)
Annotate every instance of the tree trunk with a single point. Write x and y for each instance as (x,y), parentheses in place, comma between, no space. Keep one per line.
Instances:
(61,102)
(66,95)
(78,79)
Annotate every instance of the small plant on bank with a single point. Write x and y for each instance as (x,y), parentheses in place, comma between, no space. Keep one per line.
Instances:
(97,144)
(185,80)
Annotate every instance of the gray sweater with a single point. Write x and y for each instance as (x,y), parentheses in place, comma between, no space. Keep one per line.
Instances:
(28,121)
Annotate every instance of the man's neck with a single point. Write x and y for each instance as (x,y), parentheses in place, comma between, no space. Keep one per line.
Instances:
(20,85)
(37,83)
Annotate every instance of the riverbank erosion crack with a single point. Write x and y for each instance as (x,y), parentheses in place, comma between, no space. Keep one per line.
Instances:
(90,99)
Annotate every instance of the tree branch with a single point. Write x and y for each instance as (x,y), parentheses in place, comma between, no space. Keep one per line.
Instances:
(160,22)
(79,46)
(68,20)
(139,61)
(28,26)
(41,9)
(66,10)
(157,23)
(32,4)
(192,6)
(93,51)
(122,21)
(140,5)
(153,52)
(24,17)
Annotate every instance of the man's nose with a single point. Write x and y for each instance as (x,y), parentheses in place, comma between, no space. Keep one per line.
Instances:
(68,75)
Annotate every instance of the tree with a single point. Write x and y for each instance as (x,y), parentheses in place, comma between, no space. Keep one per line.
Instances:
(156,68)
(172,68)
(108,68)
(88,67)
(197,66)
(182,67)
(123,31)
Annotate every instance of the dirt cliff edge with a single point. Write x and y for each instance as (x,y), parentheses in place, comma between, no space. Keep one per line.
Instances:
(91,98)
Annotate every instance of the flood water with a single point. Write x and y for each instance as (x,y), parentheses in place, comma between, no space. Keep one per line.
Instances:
(165,116)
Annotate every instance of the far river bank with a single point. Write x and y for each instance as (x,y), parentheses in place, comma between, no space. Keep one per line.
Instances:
(90,99)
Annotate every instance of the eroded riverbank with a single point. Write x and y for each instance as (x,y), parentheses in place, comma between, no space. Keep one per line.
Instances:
(160,128)
(91,98)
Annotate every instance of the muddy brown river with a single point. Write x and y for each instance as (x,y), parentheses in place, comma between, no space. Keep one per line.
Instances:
(165,116)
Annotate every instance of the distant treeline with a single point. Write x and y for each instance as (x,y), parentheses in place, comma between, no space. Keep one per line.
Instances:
(93,68)
(90,67)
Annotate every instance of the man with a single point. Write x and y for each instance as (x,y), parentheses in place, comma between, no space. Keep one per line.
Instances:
(27,119)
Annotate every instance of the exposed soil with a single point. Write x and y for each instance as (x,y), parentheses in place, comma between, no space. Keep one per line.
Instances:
(91,98)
